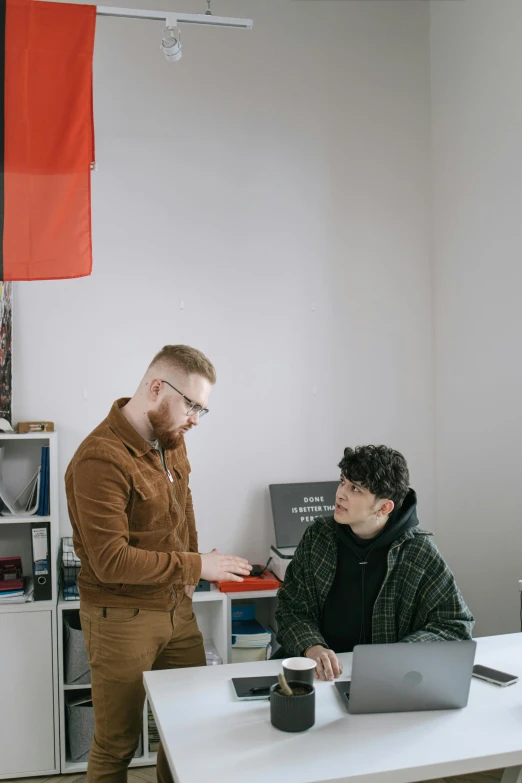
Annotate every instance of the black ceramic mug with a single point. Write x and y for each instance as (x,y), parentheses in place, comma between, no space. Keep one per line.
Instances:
(292,713)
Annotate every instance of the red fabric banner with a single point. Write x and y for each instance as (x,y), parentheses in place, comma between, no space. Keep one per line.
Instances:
(48,140)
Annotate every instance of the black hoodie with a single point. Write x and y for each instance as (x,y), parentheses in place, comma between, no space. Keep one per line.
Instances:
(361,568)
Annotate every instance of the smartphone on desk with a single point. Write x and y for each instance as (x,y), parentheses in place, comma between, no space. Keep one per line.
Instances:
(494,675)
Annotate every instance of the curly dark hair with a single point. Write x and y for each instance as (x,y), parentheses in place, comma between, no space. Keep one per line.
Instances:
(381,470)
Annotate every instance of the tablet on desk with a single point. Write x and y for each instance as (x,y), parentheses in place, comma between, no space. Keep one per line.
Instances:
(250,688)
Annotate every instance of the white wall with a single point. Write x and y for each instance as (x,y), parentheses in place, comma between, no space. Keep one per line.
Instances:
(276,182)
(477,167)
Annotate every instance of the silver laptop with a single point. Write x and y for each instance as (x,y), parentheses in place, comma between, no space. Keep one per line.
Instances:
(409,677)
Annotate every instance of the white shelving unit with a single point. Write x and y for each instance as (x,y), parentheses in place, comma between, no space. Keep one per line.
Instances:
(29,736)
(211,610)
(32,723)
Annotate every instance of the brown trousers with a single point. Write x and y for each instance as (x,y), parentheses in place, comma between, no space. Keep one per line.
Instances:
(121,644)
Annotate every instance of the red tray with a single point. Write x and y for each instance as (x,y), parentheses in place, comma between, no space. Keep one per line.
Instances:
(266,581)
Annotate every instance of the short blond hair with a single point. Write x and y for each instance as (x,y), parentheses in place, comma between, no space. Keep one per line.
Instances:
(188,360)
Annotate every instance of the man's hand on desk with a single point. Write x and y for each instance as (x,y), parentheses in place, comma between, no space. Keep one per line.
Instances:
(328,664)
(189,590)
(216,567)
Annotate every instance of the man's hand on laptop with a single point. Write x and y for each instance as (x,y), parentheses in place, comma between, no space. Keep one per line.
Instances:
(328,664)
(216,567)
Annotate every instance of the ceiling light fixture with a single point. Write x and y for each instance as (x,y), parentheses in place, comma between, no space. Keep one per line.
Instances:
(171,42)
(171,38)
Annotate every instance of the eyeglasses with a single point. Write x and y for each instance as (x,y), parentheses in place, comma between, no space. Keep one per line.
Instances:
(194,407)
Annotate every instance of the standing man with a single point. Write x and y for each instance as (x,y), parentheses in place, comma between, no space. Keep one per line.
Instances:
(134,531)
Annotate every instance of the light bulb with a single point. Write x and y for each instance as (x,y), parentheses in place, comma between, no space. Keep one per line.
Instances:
(171,43)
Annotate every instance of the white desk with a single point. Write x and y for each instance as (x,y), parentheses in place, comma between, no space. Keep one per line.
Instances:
(210,736)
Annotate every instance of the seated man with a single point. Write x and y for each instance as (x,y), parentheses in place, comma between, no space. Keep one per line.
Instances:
(369,574)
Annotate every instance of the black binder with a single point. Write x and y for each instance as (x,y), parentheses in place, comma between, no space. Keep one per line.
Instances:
(41,557)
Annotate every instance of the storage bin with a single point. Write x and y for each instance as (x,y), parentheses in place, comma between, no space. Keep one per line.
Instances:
(80,728)
(77,670)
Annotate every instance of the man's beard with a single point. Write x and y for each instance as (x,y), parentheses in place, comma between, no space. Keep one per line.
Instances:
(161,422)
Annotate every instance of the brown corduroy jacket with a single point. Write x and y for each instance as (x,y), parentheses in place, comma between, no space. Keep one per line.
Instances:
(133,528)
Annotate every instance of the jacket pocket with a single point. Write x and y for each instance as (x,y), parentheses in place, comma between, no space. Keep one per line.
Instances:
(182,467)
(150,505)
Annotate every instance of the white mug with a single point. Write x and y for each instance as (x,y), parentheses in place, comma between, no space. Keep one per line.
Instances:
(299,670)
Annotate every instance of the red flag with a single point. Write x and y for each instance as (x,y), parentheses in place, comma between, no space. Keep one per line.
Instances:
(48,139)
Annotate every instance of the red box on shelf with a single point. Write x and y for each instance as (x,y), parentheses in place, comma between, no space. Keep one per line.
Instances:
(11,575)
(266,581)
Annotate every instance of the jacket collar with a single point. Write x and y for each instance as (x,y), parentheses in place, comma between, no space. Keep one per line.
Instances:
(125,431)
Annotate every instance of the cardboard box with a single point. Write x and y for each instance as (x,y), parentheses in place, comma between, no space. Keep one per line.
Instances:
(35,426)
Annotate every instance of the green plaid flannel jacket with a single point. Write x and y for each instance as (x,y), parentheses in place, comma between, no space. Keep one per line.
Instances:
(418,601)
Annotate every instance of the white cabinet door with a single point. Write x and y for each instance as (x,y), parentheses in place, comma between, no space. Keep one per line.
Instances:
(26,688)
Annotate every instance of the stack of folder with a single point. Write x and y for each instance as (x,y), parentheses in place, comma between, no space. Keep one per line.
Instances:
(250,641)
(13,587)
(18,595)
(154,738)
